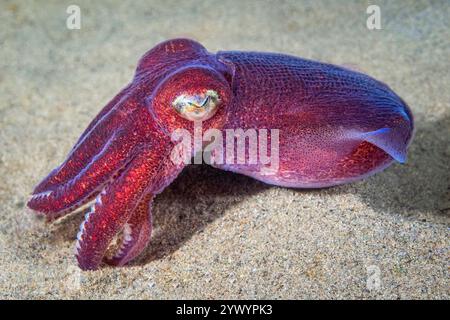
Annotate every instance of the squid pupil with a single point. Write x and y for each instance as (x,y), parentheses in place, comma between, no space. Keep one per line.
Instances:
(209,102)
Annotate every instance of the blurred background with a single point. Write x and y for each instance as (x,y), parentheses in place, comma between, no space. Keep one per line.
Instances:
(220,235)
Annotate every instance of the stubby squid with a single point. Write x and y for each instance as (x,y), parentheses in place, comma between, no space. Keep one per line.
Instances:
(335,126)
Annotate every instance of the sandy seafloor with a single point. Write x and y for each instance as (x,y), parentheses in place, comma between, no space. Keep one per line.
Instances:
(218,234)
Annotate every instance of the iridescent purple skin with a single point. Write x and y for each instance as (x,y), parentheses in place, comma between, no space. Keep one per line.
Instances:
(335,126)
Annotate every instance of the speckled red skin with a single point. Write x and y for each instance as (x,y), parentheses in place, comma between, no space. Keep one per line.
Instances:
(336,126)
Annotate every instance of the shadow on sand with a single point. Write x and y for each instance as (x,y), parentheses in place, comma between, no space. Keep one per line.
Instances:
(201,194)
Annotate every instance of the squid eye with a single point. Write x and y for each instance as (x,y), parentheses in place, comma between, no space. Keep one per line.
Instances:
(197,107)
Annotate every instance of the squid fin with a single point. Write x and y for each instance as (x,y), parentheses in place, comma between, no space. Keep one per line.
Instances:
(385,139)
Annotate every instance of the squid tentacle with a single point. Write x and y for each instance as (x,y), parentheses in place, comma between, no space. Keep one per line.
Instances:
(136,233)
(87,147)
(112,158)
(117,203)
